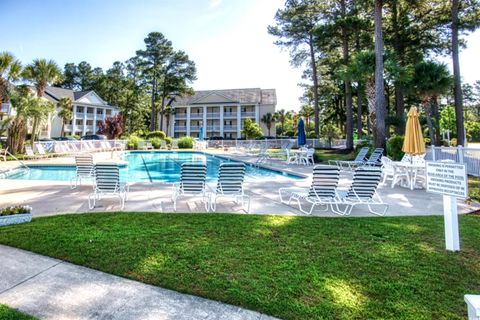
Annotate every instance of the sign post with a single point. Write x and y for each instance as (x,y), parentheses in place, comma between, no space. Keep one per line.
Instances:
(449,180)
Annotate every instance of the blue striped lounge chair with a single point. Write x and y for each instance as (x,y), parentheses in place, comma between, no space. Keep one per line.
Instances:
(230,184)
(192,183)
(363,191)
(360,160)
(107,184)
(322,191)
(84,169)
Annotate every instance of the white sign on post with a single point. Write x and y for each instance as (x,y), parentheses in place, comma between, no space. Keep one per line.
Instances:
(450,180)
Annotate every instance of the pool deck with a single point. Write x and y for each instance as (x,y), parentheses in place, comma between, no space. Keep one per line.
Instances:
(56,197)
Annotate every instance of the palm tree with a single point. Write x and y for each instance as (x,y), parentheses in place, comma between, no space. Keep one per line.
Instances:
(41,73)
(431,80)
(166,112)
(10,70)
(268,119)
(281,116)
(307,112)
(65,104)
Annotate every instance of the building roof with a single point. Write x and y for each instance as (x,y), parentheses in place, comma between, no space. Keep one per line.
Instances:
(55,93)
(243,96)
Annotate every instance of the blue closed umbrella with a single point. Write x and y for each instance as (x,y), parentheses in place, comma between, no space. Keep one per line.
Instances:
(201,135)
(302,139)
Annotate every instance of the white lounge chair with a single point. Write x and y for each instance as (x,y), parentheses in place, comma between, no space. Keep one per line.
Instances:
(163,144)
(363,191)
(263,155)
(30,154)
(174,144)
(107,184)
(359,160)
(85,169)
(230,184)
(41,151)
(192,184)
(321,192)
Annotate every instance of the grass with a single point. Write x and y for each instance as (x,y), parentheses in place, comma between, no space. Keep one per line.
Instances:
(7,313)
(326,155)
(474,188)
(289,267)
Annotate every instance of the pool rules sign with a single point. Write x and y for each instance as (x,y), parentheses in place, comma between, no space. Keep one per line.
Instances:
(450,180)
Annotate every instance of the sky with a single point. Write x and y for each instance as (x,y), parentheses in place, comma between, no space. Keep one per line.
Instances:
(227,39)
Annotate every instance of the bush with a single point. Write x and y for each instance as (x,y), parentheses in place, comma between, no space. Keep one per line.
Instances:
(156,142)
(169,141)
(453,142)
(394,147)
(473,131)
(10,211)
(132,142)
(185,143)
(156,134)
(311,135)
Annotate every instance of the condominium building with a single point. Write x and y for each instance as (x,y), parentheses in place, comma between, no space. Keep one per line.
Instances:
(221,113)
(88,109)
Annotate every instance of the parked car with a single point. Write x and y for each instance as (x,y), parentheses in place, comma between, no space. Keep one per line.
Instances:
(64,139)
(93,137)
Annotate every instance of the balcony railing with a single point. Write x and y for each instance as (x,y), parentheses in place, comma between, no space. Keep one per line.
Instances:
(229,114)
(196,116)
(230,128)
(213,128)
(180,116)
(213,115)
(180,128)
(248,114)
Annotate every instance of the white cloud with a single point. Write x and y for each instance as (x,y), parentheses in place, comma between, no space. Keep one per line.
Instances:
(214,4)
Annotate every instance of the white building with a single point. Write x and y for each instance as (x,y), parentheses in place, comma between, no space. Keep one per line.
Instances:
(221,112)
(88,109)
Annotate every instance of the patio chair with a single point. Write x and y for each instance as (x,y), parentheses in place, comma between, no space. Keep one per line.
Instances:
(107,184)
(230,184)
(163,144)
(41,151)
(30,154)
(375,158)
(192,183)
(359,160)
(85,169)
(363,191)
(395,173)
(174,144)
(306,158)
(321,192)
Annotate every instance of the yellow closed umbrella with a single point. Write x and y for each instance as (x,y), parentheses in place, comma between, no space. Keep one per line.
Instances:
(413,143)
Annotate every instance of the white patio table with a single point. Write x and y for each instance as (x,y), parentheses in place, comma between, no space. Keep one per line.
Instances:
(412,170)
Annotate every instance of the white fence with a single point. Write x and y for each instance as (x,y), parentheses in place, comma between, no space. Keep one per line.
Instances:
(469,156)
(278,143)
(75,146)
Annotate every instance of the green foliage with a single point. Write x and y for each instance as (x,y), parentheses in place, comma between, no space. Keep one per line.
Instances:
(10,211)
(268,119)
(7,313)
(311,135)
(185,143)
(155,134)
(473,131)
(251,130)
(394,147)
(133,142)
(76,136)
(156,142)
(329,131)
(366,142)
(168,140)
(447,120)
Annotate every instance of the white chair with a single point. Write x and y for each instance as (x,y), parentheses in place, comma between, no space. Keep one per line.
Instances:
(263,155)
(41,151)
(396,174)
(359,160)
(84,169)
(30,154)
(174,144)
(230,184)
(192,184)
(163,144)
(306,157)
(107,184)
(363,191)
(321,192)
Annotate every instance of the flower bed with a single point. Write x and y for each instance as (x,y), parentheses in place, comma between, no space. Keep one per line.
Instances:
(15,215)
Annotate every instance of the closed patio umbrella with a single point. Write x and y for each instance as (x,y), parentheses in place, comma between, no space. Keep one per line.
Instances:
(302,139)
(413,143)
(201,135)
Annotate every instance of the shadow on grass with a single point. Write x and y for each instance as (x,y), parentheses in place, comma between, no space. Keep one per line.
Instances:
(289,267)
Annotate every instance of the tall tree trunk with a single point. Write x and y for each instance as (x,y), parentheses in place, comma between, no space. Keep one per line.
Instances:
(348,86)
(399,90)
(457,84)
(153,114)
(436,123)
(359,112)
(428,116)
(379,85)
(315,86)
(162,111)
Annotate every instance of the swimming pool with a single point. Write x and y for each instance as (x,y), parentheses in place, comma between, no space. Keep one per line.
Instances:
(152,167)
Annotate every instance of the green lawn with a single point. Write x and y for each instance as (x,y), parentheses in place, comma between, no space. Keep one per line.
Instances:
(7,313)
(474,188)
(325,155)
(289,267)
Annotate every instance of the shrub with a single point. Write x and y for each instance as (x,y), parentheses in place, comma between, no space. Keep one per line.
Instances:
(473,131)
(394,147)
(311,135)
(251,130)
(169,141)
(10,211)
(453,142)
(112,127)
(132,142)
(185,143)
(156,134)
(156,142)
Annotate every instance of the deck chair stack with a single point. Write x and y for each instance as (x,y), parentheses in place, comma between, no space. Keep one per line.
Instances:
(192,183)
(107,184)
(84,169)
(230,184)
(321,192)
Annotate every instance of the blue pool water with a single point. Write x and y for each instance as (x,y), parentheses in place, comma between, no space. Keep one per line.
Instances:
(151,167)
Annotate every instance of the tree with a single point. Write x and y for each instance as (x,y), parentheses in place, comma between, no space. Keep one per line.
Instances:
(295,28)
(42,73)
(268,119)
(307,112)
(380,109)
(251,130)
(281,116)
(65,104)
(431,79)
(10,70)
(112,127)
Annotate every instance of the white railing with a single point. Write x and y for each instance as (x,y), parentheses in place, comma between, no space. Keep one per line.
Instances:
(469,156)
(76,146)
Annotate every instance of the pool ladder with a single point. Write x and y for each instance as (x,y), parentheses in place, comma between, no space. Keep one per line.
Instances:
(4,173)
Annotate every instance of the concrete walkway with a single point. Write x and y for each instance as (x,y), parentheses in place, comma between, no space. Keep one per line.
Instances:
(52,289)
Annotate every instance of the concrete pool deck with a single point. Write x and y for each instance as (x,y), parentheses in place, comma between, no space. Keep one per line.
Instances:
(56,197)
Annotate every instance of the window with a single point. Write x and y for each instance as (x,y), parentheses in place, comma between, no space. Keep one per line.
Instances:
(90,110)
(79,122)
(109,112)
(89,122)
(80,109)
(100,112)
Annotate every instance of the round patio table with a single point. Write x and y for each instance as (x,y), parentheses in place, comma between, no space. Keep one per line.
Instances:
(411,169)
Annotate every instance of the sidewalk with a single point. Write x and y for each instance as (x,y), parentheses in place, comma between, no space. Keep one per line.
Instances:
(52,289)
